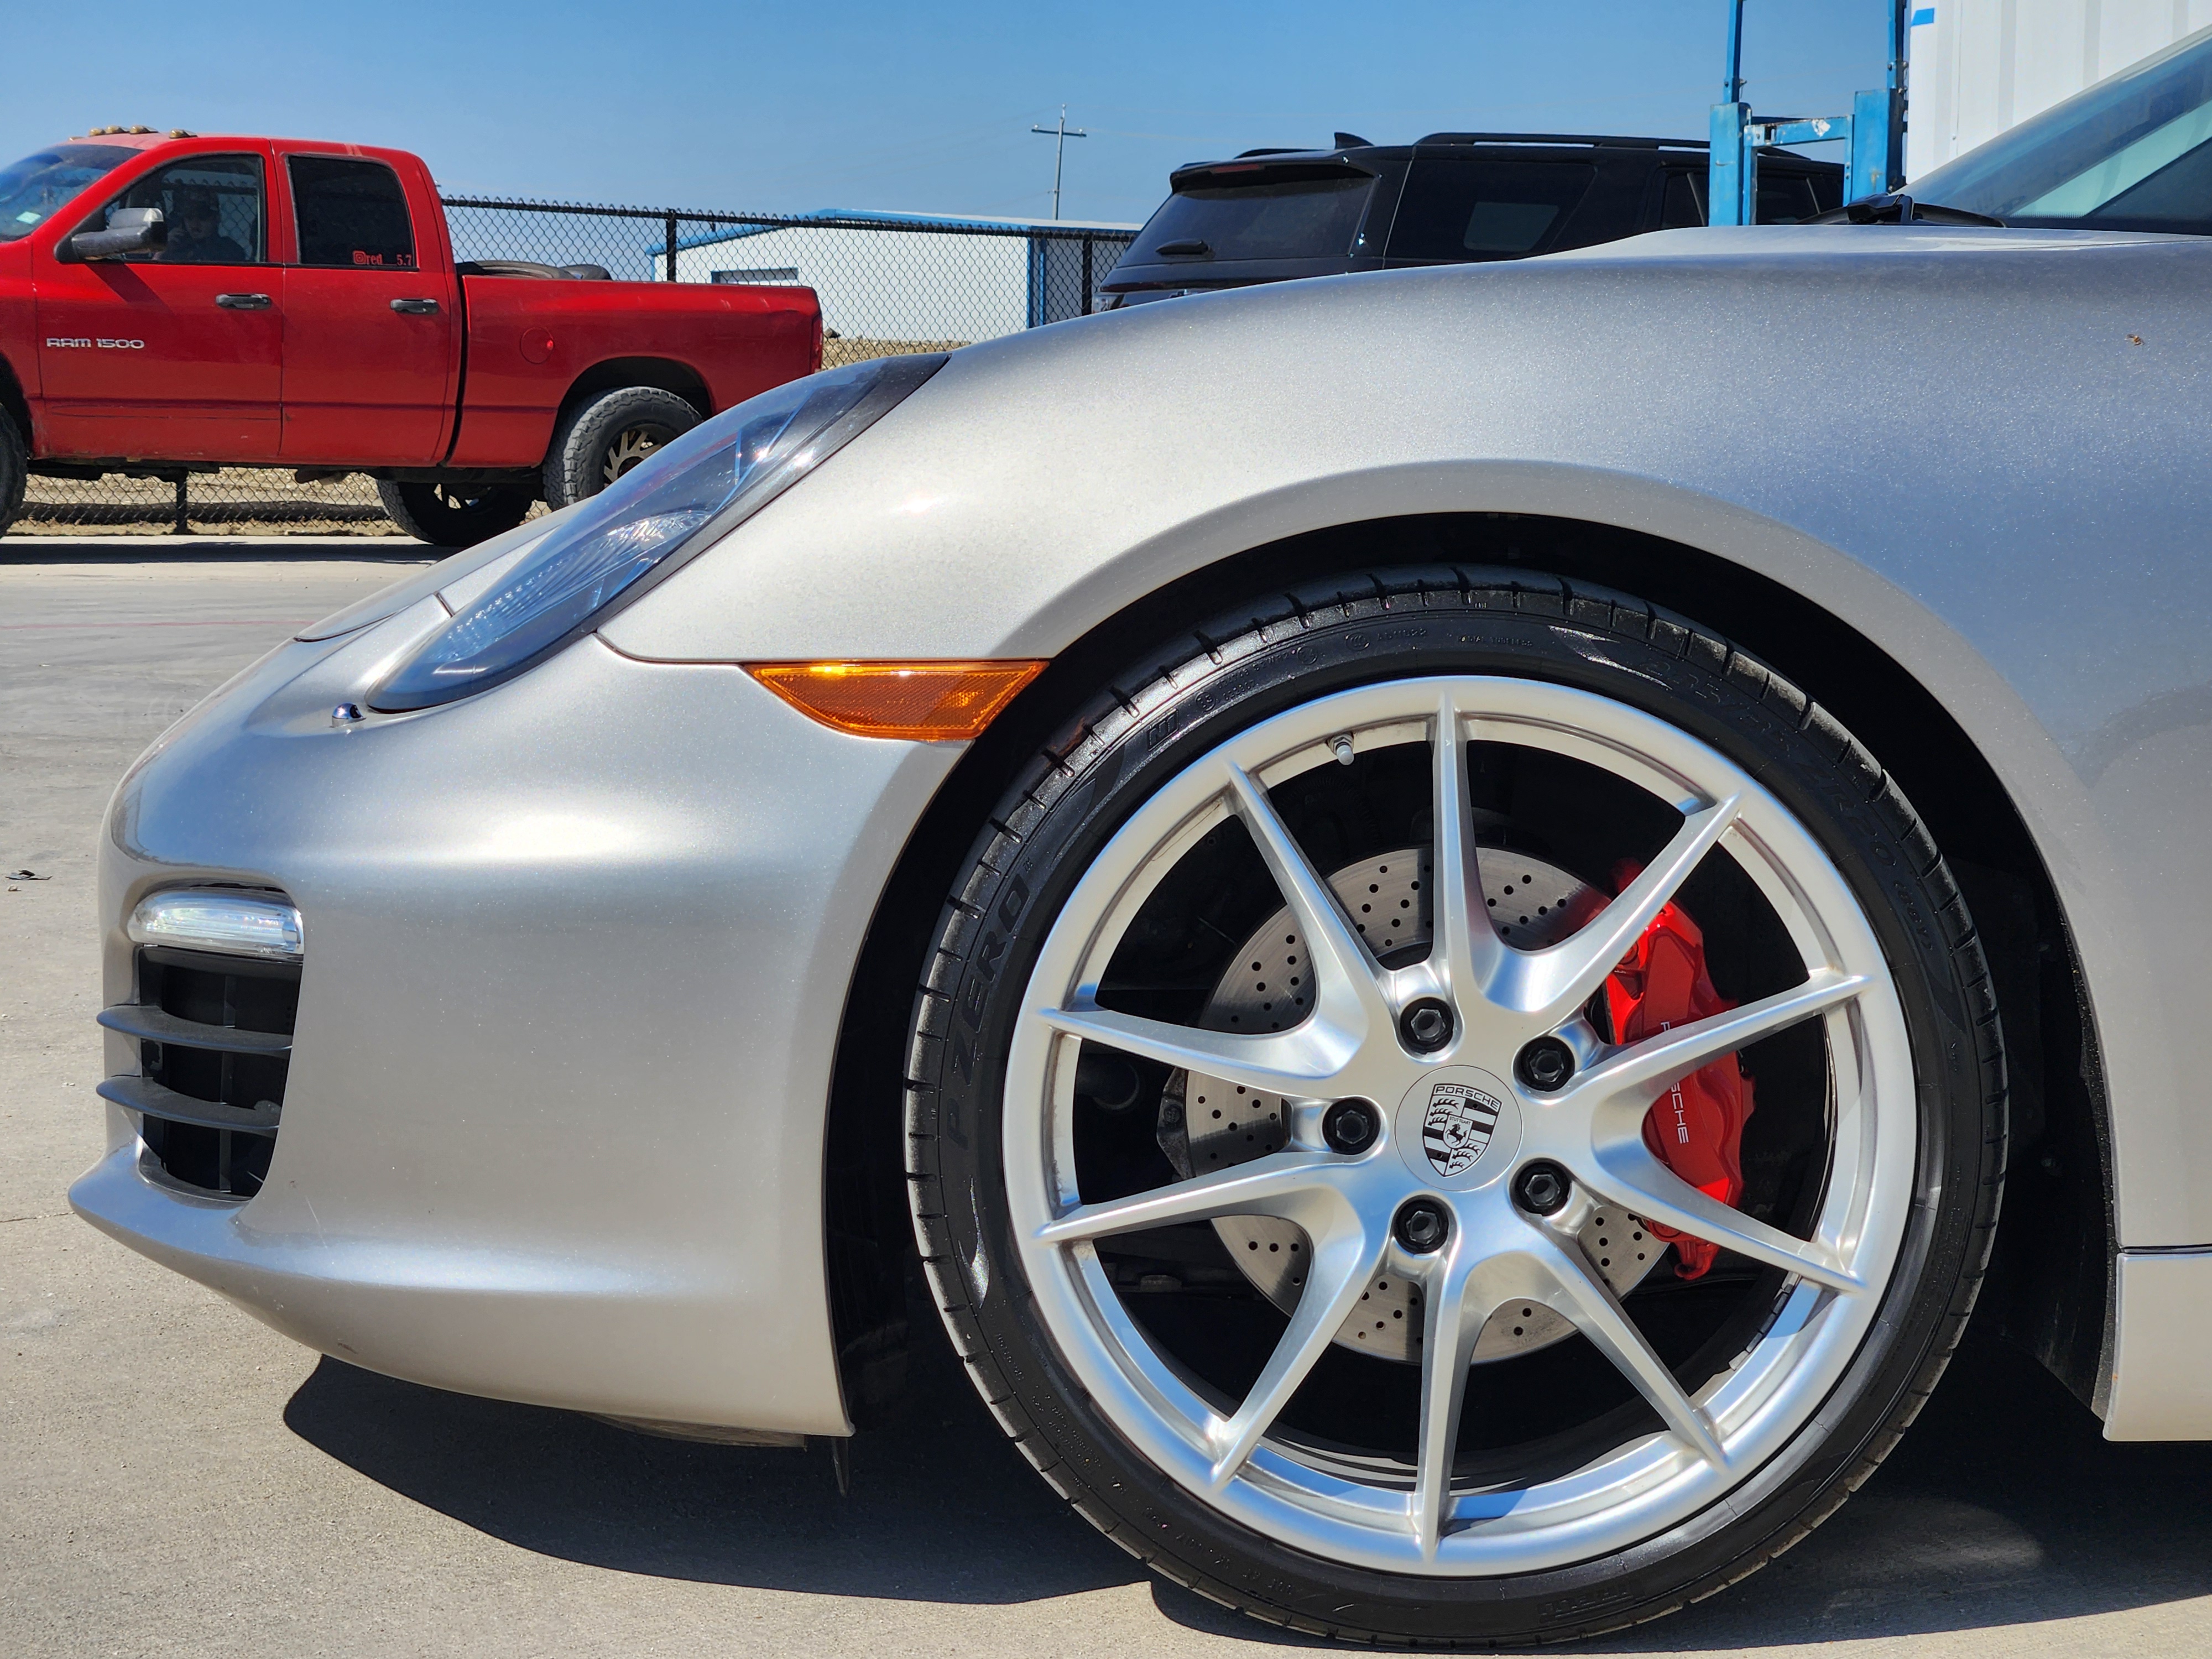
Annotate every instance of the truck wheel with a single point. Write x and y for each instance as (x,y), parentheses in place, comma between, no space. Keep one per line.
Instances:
(454,515)
(14,468)
(604,436)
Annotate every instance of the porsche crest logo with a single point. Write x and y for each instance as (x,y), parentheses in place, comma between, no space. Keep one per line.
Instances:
(1458,1127)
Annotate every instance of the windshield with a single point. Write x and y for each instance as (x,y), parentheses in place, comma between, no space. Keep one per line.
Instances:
(2134,152)
(35,188)
(1283,219)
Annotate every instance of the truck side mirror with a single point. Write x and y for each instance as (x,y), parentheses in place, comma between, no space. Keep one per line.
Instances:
(130,230)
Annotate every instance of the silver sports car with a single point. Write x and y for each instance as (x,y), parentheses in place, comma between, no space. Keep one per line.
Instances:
(1449,902)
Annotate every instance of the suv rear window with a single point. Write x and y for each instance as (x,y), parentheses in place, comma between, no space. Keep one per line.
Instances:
(1266,219)
(1472,210)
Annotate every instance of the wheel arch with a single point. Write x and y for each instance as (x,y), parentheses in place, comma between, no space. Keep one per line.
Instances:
(2050,1281)
(666,372)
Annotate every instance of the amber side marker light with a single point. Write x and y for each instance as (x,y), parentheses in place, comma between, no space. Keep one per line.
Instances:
(922,701)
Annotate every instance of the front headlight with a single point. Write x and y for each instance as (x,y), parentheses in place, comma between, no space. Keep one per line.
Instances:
(632,534)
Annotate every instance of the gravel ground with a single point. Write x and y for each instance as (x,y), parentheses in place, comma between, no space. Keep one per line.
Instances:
(176,1478)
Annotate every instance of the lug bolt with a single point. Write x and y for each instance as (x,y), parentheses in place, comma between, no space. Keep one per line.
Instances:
(1541,1189)
(1425,1026)
(1351,1126)
(1545,1065)
(1421,1226)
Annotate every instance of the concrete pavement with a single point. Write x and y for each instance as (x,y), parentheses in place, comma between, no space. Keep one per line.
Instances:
(176,1478)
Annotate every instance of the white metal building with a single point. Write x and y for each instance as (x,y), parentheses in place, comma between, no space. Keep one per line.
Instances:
(1979,66)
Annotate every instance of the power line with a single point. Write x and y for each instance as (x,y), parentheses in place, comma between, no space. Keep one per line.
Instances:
(1059,135)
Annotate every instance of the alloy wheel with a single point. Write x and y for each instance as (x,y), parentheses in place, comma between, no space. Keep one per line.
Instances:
(1506,1083)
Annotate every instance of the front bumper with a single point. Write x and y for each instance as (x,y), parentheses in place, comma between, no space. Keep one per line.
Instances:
(577,952)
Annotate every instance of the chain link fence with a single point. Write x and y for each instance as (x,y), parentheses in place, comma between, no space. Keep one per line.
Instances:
(888,284)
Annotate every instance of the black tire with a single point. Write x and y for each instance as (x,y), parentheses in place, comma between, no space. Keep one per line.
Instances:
(455,515)
(605,435)
(14,470)
(1285,648)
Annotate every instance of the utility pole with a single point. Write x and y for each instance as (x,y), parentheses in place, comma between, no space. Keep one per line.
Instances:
(1059,135)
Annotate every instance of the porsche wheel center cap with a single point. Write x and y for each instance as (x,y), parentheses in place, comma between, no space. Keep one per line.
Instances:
(1458,1128)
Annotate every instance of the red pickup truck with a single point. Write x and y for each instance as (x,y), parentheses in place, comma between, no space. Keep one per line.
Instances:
(170,302)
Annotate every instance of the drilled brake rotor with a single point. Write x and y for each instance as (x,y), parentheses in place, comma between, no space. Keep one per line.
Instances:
(1207,1124)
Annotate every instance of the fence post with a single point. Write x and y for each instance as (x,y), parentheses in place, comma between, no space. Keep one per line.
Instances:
(1086,277)
(183,525)
(672,247)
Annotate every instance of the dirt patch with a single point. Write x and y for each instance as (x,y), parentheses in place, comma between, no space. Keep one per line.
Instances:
(836,353)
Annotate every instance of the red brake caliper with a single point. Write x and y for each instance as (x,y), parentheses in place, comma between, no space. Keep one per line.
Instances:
(1696,1128)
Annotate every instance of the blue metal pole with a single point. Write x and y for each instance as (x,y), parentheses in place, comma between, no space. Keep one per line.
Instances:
(1866,164)
(1876,166)
(1900,33)
(1729,182)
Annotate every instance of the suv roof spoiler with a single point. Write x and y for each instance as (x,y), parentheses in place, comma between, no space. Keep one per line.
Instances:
(1609,141)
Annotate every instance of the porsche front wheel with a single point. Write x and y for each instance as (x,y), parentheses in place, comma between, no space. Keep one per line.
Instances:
(1461,1110)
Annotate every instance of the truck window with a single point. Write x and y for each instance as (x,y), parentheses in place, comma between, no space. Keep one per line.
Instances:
(350,213)
(213,206)
(1455,210)
(34,188)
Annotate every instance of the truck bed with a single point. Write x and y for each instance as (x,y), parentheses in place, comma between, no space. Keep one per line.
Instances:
(530,339)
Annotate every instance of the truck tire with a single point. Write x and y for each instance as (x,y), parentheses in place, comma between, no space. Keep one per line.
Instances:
(14,469)
(455,514)
(605,435)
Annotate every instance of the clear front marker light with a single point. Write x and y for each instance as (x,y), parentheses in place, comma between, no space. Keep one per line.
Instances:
(687,496)
(229,924)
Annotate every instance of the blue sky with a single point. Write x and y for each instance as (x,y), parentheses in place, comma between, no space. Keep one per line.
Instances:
(923,108)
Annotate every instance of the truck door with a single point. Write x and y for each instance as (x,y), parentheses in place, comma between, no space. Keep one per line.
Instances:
(174,354)
(373,342)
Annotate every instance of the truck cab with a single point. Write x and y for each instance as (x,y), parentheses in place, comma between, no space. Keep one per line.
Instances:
(169,301)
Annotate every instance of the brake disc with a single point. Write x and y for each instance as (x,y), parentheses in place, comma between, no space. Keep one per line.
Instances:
(1207,1124)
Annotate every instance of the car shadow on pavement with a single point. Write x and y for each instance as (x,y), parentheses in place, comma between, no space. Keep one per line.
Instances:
(2003,1506)
(942,1507)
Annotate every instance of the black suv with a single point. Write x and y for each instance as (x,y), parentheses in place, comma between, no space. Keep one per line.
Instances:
(1451,199)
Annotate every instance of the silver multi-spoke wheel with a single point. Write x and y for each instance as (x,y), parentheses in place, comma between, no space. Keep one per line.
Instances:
(1437,1198)
(1451,1106)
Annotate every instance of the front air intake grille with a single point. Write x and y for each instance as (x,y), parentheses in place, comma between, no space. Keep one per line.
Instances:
(215,1042)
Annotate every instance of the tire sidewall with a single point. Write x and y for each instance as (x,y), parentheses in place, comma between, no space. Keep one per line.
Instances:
(417,509)
(14,469)
(1022,876)
(576,468)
